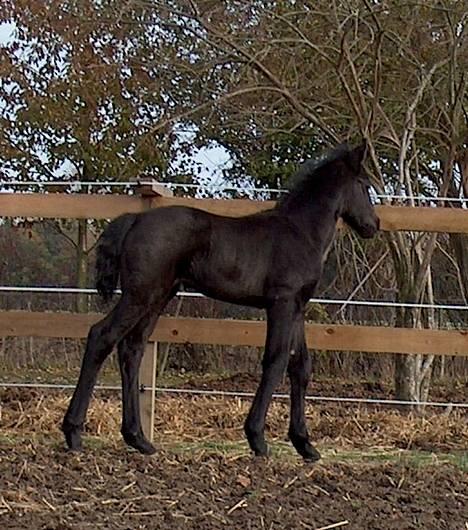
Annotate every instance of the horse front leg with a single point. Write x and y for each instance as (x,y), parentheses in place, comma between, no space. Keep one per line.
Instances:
(280,318)
(299,371)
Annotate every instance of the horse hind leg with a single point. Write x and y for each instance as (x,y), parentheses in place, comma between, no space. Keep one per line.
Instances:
(102,338)
(130,353)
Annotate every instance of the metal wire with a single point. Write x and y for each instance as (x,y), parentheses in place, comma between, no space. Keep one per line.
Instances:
(219,187)
(370,303)
(227,393)
(188,294)
(68,183)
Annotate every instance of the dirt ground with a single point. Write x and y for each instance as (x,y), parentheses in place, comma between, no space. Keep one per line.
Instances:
(45,488)
(380,469)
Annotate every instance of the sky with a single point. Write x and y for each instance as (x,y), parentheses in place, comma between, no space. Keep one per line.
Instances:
(6,31)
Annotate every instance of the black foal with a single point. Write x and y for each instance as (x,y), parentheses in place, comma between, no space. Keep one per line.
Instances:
(272,260)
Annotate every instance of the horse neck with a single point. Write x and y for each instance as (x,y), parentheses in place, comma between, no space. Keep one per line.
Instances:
(316,214)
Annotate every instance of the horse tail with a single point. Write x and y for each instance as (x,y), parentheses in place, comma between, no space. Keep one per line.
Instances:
(109,250)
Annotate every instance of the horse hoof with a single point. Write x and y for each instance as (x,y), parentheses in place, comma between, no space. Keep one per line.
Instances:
(264,453)
(304,447)
(72,436)
(260,449)
(75,448)
(140,443)
(310,454)
(256,440)
(146,448)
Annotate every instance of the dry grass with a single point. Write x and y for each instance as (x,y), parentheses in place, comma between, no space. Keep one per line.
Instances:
(219,420)
(204,478)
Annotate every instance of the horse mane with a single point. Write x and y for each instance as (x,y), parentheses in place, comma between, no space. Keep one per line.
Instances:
(303,180)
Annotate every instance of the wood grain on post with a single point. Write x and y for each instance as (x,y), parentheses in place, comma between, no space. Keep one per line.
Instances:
(147,379)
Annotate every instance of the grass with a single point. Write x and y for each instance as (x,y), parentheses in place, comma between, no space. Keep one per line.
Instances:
(279,451)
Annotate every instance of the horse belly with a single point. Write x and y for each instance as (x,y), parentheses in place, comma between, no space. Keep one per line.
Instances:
(228,280)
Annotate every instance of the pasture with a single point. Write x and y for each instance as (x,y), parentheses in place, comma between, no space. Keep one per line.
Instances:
(285,185)
(380,468)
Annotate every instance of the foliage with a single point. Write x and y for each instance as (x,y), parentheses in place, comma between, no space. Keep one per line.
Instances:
(83,91)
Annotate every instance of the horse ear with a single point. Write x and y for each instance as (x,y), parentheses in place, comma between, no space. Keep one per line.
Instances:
(356,156)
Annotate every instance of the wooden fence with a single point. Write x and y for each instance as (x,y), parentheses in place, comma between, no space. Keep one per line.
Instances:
(225,332)
(57,205)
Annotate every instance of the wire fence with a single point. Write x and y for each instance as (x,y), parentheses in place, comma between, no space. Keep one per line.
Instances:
(223,393)
(217,187)
(241,395)
(188,294)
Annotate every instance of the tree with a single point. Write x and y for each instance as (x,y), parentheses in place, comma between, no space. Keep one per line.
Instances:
(394,75)
(80,95)
(270,81)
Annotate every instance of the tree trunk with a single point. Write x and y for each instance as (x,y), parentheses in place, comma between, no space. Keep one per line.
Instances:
(405,365)
(413,373)
(459,242)
(405,377)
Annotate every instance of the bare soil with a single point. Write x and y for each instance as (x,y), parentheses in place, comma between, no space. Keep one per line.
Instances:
(45,488)
(380,469)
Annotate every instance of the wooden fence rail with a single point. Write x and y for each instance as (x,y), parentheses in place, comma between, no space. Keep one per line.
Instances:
(57,205)
(226,332)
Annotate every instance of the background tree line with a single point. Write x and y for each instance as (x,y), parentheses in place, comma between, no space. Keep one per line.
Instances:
(110,91)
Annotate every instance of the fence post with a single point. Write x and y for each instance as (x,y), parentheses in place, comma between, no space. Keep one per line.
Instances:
(148,189)
(148,388)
